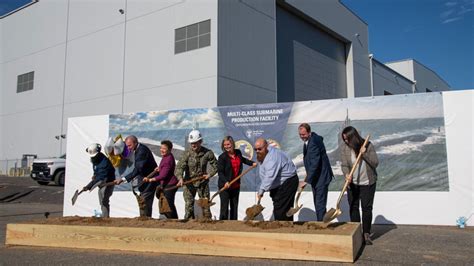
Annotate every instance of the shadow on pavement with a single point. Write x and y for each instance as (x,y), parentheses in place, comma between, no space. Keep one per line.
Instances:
(33,213)
(15,196)
(382,226)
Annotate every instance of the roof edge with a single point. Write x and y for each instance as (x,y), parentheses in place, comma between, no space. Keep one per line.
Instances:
(423,65)
(394,71)
(353,13)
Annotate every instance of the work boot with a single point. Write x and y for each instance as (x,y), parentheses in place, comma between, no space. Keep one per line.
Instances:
(367,239)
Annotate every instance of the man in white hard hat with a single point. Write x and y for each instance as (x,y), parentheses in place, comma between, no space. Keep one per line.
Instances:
(194,163)
(103,172)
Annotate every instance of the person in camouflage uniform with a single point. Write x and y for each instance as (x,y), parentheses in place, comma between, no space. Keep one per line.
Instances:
(194,163)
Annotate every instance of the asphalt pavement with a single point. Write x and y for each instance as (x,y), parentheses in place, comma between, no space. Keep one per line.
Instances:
(21,199)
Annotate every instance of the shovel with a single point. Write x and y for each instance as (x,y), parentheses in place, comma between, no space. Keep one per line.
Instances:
(253,211)
(204,202)
(333,213)
(297,208)
(78,192)
(76,195)
(140,199)
(163,203)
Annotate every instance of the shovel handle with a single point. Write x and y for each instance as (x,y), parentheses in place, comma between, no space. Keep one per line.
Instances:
(185,183)
(298,197)
(150,175)
(233,181)
(107,184)
(299,192)
(346,184)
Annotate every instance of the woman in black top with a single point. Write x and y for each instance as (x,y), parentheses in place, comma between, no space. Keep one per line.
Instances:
(229,166)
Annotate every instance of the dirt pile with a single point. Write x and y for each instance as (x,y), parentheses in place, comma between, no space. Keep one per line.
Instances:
(205,224)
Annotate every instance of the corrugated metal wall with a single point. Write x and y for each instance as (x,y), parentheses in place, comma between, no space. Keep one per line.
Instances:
(310,62)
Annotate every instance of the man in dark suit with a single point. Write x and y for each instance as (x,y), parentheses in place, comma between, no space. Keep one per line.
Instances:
(144,164)
(318,169)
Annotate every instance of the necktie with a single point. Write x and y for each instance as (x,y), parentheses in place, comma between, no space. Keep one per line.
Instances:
(305,148)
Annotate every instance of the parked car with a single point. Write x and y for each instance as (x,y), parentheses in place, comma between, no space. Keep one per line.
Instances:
(48,170)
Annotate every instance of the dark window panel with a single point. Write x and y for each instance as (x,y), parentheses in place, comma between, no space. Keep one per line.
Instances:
(180,34)
(204,40)
(192,44)
(22,87)
(179,47)
(205,27)
(192,31)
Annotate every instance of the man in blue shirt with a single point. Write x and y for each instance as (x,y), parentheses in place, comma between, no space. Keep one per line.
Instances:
(278,175)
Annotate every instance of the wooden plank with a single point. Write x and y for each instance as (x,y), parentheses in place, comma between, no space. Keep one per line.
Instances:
(316,247)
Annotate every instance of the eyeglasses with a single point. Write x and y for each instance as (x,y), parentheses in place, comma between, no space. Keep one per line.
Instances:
(258,149)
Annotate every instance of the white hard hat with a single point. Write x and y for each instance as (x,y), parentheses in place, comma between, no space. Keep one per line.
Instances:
(93,149)
(194,136)
(109,145)
(118,147)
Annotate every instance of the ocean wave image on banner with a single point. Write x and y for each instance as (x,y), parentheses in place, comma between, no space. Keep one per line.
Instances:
(408,134)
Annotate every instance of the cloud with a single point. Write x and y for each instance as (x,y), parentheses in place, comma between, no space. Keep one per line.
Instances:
(456,11)
(202,118)
(446,13)
(451,20)
(154,114)
(175,118)
(450,4)
(210,119)
(464,10)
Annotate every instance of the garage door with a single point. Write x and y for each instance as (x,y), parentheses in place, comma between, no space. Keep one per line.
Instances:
(310,62)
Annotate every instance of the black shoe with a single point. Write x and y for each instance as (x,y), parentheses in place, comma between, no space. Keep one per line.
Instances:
(367,239)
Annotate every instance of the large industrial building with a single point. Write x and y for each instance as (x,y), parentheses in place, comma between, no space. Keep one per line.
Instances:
(62,59)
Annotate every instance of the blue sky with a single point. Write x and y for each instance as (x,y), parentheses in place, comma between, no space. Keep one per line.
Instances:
(437,33)
(9,5)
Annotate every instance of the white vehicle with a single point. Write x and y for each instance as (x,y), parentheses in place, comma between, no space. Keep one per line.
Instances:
(50,169)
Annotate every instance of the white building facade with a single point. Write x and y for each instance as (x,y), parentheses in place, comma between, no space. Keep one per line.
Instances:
(62,59)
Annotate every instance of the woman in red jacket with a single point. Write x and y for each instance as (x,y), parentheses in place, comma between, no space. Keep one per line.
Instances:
(229,166)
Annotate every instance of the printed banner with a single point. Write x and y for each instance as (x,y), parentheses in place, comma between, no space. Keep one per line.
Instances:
(408,134)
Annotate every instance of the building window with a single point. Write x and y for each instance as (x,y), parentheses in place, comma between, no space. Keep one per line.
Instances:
(387,93)
(428,90)
(192,37)
(25,82)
